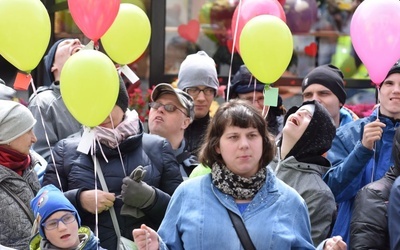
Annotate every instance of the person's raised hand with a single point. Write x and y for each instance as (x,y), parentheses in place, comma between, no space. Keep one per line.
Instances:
(135,192)
(105,200)
(372,133)
(145,238)
(335,243)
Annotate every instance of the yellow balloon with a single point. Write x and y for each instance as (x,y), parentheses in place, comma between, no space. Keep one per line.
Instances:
(89,84)
(24,32)
(129,35)
(138,3)
(266,47)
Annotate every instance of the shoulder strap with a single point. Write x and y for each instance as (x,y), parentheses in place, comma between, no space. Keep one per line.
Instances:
(241,231)
(105,189)
(19,201)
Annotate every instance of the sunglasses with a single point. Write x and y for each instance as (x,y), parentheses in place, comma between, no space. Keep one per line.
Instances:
(167,107)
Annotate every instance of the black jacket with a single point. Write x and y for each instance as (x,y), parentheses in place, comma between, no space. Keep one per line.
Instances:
(76,171)
(369,222)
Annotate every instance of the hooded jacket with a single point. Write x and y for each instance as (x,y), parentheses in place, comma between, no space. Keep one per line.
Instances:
(57,119)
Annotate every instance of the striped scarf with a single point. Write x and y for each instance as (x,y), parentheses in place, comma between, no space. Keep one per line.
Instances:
(113,137)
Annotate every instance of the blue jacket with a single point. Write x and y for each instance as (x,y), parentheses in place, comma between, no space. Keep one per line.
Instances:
(197,218)
(354,166)
(346,116)
(76,173)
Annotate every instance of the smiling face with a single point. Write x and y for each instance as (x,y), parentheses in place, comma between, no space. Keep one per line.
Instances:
(297,123)
(389,96)
(64,51)
(65,236)
(241,149)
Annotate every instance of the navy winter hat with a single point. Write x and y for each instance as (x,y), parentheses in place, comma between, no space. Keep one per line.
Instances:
(49,200)
(243,82)
(48,63)
(329,76)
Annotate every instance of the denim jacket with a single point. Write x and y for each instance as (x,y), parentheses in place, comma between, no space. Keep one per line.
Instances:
(197,218)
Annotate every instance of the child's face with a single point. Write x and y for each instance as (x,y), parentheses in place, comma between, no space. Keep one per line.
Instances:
(64,232)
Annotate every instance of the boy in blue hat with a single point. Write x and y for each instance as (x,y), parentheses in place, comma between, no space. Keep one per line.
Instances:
(59,223)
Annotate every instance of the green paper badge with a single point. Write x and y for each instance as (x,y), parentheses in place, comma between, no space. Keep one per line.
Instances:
(270,96)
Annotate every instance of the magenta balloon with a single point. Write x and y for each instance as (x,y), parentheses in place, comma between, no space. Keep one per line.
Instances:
(94,17)
(300,15)
(374,32)
(253,8)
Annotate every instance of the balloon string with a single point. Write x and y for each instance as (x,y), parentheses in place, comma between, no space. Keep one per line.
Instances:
(233,49)
(35,94)
(95,161)
(377,119)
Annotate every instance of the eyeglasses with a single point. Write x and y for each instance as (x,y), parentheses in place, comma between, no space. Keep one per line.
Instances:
(196,91)
(167,107)
(66,219)
(259,101)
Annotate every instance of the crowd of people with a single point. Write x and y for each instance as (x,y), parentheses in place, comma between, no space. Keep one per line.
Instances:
(313,176)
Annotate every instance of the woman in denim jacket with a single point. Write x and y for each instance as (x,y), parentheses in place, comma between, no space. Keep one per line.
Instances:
(238,147)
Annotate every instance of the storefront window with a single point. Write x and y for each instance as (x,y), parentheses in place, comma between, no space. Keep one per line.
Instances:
(320,32)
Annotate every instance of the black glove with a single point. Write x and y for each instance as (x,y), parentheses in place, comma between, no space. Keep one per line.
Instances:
(136,194)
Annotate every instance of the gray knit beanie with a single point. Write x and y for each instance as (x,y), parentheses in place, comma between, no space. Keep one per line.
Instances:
(198,70)
(15,120)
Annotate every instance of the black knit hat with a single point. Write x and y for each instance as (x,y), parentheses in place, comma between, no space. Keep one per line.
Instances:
(243,82)
(318,136)
(48,63)
(123,99)
(394,69)
(328,76)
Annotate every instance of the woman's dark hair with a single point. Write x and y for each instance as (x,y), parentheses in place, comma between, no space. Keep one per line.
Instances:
(240,114)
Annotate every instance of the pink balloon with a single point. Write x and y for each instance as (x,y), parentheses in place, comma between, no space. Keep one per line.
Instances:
(94,17)
(374,32)
(253,8)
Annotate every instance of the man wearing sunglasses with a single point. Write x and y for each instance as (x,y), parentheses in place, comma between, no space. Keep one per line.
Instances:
(171,112)
(198,77)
